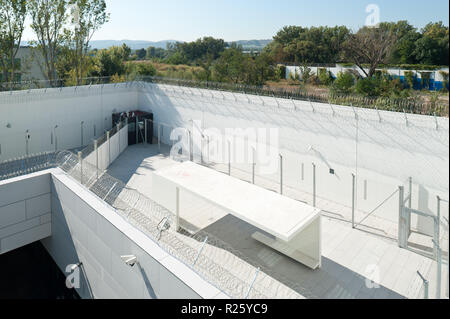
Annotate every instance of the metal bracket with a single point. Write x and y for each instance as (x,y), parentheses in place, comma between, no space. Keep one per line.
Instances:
(163,225)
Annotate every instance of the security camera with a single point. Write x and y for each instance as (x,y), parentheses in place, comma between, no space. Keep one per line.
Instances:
(73,267)
(130,260)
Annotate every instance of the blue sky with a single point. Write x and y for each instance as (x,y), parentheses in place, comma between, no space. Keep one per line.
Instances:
(231,20)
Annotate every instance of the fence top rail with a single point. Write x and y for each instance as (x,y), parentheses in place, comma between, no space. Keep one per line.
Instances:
(409,105)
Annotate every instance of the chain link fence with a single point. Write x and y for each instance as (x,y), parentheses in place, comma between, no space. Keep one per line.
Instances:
(213,259)
(27,165)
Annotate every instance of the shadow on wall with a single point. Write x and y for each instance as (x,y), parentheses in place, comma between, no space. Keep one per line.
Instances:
(62,247)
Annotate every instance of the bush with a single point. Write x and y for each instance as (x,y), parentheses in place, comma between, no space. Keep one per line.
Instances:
(444,76)
(409,77)
(367,87)
(343,83)
(146,69)
(325,77)
(426,76)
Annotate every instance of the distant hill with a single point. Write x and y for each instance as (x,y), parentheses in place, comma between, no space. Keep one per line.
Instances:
(141,44)
(133,44)
(252,44)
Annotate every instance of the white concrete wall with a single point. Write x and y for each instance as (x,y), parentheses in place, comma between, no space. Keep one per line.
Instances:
(39,111)
(109,151)
(25,210)
(86,230)
(382,153)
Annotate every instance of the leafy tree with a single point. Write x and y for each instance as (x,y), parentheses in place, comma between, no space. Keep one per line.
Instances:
(407,36)
(141,54)
(230,67)
(158,53)
(367,86)
(315,44)
(197,52)
(324,76)
(109,62)
(433,47)
(372,46)
(87,17)
(48,18)
(12,24)
(343,83)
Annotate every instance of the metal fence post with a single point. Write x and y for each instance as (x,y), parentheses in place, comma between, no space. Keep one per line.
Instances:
(425,286)
(401,218)
(56,139)
(137,129)
(439,269)
(253,166)
(208,147)
(281,174)
(314,184)
(229,158)
(159,137)
(96,157)
(82,134)
(145,131)
(80,160)
(118,133)
(408,216)
(177,209)
(109,147)
(353,199)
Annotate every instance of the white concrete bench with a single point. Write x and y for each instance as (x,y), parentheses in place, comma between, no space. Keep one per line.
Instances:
(295,226)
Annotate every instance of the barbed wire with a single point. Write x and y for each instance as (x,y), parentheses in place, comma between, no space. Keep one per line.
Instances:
(213,259)
(409,105)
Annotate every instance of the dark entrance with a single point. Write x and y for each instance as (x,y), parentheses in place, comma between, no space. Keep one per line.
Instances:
(31,273)
(137,122)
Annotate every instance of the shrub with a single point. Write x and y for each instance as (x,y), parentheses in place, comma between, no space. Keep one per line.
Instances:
(146,69)
(367,87)
(280,72)
(425,79)
(409,77)
(444,76)
(325,77)
(343,83)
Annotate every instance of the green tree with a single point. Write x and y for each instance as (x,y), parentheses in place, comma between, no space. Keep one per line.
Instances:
(141,54)
(231,66)
(87,17)
(372,46)
(109,62)
(315,44)
(12,24)
(407,36)
(343,83)
(47,22)
(432,48)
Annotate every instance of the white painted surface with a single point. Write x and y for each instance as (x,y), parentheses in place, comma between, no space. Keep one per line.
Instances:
(25,210)
(350,257)
(278,215)
(87,230)
(39,111)
(108,152)
(293,223)
(351,141)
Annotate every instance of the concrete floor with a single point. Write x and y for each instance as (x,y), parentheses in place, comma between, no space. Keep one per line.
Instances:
(351,257)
